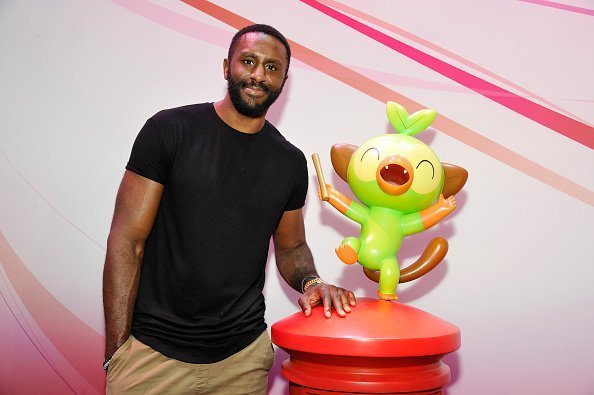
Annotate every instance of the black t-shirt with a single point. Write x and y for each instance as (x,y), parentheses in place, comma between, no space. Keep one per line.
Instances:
(202,275)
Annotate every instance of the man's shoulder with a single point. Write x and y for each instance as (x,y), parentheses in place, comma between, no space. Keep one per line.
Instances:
(284,145)
(187,112)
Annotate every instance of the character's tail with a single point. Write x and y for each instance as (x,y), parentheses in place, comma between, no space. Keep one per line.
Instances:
(434,253)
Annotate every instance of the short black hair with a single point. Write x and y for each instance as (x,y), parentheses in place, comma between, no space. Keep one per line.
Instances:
(260,28)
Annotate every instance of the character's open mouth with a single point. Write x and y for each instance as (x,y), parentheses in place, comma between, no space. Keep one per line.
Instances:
(395,174)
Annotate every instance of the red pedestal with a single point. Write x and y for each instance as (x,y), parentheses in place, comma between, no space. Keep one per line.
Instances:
(379,348)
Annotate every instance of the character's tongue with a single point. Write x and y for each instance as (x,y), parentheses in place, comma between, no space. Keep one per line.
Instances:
(394,174)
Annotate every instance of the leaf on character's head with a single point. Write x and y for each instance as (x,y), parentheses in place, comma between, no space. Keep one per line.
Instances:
(407,124)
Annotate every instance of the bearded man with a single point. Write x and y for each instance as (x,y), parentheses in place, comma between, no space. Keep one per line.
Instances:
(206,187)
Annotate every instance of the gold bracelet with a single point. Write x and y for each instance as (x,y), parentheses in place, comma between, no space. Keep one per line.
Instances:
(314,280)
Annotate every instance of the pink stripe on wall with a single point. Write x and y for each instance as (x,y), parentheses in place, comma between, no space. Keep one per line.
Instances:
(78,343)
(394,29)
(21,356)
(177,22)
(575,130)
(565,7)
(384,94)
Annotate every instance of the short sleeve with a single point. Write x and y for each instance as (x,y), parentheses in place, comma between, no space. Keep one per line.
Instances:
(150,155)
(297,201)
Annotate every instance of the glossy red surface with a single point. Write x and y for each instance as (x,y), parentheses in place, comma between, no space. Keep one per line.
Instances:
(374,328)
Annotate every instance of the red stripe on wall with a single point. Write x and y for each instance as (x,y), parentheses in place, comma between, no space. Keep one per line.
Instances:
(384,94)
(395,29)
(564,125)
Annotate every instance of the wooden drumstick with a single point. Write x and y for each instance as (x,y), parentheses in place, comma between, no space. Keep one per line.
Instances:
(321,179)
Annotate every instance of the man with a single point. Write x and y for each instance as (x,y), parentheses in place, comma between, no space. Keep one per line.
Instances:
(206,187)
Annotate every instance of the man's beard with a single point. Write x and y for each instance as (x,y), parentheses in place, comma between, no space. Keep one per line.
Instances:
(250,108)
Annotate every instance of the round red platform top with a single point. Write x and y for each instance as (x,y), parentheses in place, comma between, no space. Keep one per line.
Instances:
(374,328)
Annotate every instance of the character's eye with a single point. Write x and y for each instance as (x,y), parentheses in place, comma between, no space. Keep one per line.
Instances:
(431,164)
(271,67)
(366,167)
(249,62)
(371,149)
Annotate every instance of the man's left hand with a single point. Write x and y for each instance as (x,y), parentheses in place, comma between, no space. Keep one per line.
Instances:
(330,296)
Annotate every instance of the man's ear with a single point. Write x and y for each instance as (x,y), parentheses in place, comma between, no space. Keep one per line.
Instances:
(340,155)
(225,69)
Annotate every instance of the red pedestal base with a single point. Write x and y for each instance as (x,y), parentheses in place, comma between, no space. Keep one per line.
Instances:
(379,348)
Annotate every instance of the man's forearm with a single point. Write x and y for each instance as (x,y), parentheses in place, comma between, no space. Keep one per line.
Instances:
(121,276)
(296,264)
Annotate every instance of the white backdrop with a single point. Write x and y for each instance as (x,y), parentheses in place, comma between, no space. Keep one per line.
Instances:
(79,78)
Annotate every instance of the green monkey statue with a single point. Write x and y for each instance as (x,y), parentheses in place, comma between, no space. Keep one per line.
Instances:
(404,189)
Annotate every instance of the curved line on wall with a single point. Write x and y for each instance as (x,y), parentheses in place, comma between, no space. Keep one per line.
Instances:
(559,6)
(54,208)
(402,80)
(562,124)
(395,29)
(77,342)
(177,22)
(36,344)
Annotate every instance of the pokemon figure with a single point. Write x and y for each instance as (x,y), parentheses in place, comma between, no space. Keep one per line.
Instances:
(405,189)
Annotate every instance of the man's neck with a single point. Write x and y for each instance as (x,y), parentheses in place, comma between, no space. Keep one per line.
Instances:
(237,121)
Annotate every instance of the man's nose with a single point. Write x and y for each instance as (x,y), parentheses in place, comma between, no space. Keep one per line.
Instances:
(258,73)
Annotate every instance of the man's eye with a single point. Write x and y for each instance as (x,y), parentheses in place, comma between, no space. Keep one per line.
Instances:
(271,67)
(248,61)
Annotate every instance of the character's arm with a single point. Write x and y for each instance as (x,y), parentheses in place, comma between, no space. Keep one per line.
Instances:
(346,206)
(417,222)
(295,263)
(135,210)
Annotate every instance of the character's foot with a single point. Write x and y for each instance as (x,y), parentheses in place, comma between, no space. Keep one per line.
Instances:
(387,296)
(347,254)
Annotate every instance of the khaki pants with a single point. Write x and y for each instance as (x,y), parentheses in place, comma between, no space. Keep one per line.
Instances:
(138,369)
